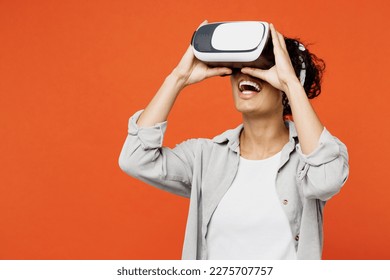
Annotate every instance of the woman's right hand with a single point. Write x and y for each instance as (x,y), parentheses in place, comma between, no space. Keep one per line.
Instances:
(191,70)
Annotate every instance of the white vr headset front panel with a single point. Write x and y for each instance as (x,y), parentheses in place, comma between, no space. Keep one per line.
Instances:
(244,36)
(236,42)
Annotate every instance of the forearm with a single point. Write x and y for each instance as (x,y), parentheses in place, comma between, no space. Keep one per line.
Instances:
(159,107)
(308,125)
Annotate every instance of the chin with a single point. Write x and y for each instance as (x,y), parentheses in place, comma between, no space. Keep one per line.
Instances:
(248,110)
(255,111)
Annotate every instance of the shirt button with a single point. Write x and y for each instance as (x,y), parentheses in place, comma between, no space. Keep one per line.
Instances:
(285,202)
(297,237)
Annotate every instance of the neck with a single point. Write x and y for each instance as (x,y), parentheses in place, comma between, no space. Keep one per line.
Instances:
(262,137)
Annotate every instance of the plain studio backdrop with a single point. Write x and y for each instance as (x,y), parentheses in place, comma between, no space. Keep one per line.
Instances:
(73,72)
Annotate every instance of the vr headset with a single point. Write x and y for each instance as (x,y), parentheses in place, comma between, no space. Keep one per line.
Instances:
(236,45)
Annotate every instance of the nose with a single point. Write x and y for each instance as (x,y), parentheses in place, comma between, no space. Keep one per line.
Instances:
(235,71)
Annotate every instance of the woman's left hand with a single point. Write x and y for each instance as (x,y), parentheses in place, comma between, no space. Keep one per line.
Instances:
(282,73)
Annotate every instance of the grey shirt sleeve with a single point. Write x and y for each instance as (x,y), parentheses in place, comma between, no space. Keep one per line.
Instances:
(144,157)
(326,169)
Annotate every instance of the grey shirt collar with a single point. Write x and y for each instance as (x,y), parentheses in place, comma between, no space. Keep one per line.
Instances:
(232,136)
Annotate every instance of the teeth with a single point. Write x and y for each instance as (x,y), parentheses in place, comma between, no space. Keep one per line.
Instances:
(249,83)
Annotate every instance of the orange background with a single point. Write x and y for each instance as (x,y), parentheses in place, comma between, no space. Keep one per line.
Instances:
(73,72)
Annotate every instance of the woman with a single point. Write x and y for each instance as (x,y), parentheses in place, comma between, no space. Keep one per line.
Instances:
(256,191)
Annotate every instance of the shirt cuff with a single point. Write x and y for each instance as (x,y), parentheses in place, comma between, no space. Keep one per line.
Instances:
(326,151)
(151,137)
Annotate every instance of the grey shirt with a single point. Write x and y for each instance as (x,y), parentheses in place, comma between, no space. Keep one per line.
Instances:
(204,169)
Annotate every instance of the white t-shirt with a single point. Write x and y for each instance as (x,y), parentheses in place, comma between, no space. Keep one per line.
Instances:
(249,222)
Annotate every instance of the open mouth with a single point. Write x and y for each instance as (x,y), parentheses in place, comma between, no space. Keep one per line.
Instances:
(249,87)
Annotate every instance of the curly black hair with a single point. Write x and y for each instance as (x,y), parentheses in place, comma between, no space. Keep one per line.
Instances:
(314,66)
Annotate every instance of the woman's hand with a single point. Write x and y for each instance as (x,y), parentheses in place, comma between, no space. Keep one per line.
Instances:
(190,70)
(282,74)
